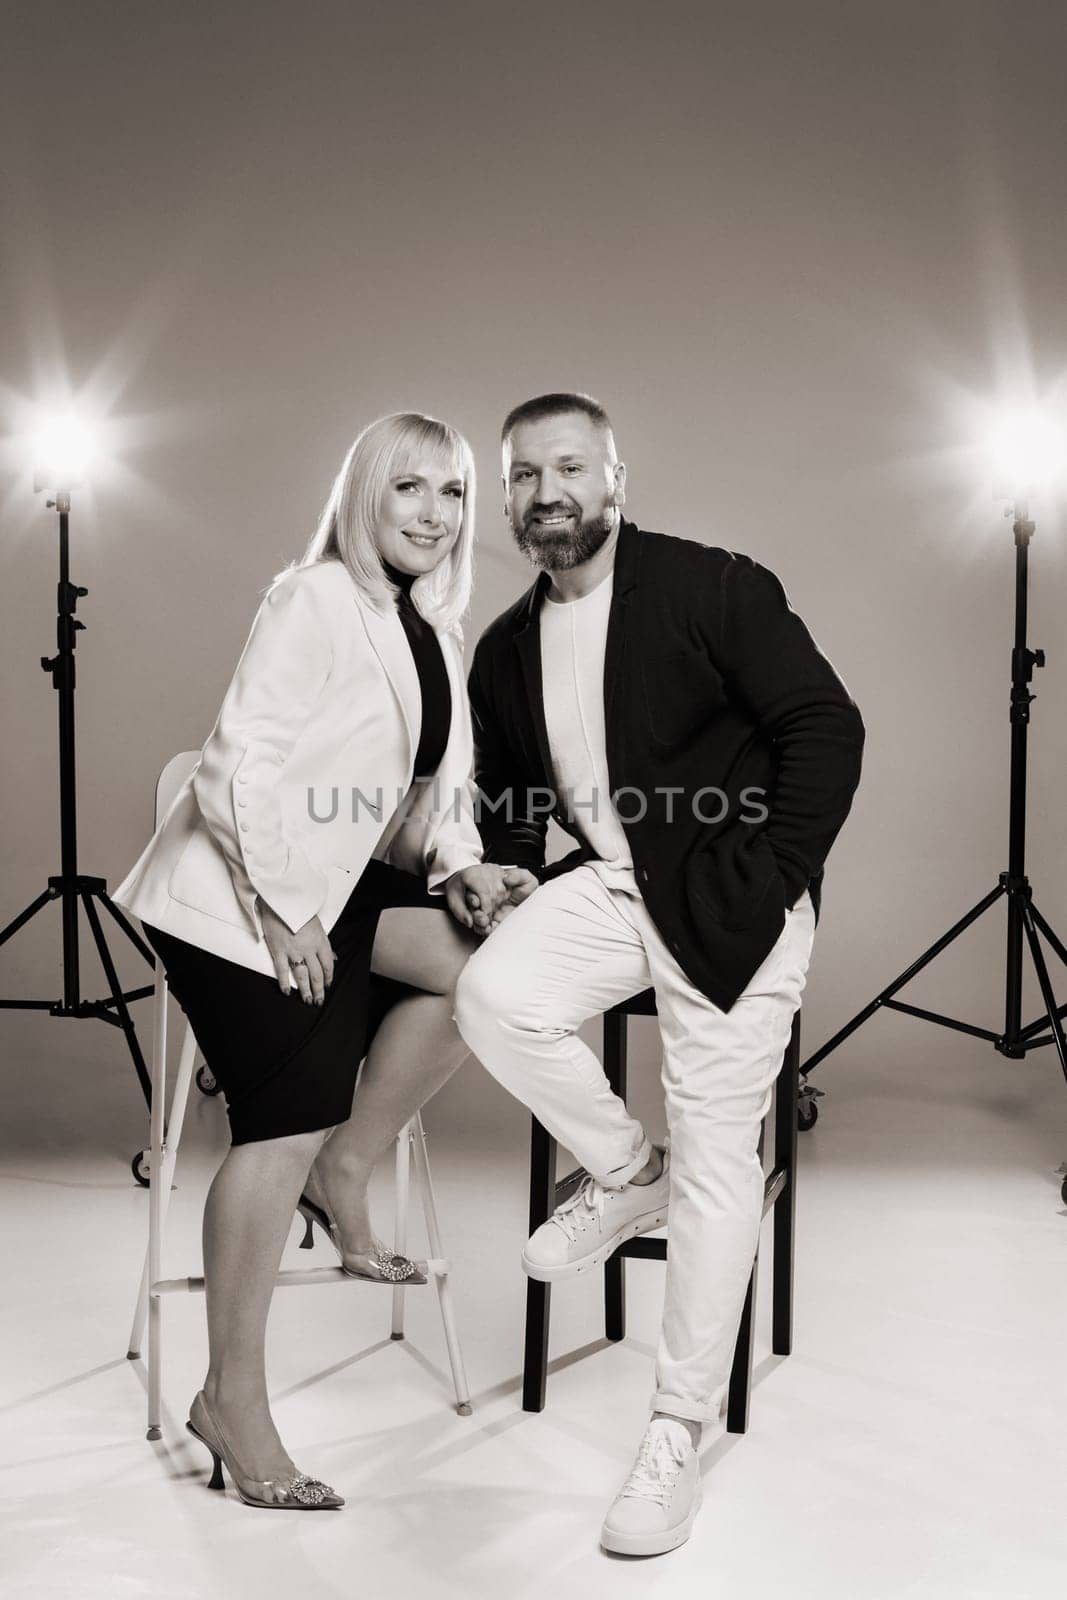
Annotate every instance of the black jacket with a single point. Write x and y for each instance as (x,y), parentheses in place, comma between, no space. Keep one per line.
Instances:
(711,683)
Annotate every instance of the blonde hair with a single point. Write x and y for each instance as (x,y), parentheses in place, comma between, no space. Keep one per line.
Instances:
(387,449)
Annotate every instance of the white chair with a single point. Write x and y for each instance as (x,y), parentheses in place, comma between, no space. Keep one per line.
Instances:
(162,1155)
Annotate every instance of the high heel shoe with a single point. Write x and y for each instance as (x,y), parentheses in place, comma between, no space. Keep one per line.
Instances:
(298,1493)
(388,1267)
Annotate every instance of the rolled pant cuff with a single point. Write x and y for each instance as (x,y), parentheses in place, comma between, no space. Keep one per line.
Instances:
(692,1410)
(620,1175)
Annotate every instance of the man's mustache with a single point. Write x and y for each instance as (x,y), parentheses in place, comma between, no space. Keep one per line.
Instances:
(538,513)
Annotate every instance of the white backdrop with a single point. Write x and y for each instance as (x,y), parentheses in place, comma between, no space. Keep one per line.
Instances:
(781,244)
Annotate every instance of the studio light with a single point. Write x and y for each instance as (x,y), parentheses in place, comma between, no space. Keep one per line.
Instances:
(1025,447)
(64,448)
(1027,450)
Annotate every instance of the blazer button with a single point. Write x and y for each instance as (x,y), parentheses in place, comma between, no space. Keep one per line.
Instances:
(242,777)
(242,802)
(642,873)
(245,826)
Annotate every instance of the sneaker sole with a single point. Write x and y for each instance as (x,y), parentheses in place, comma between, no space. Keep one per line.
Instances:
(652,1544)
(648,1222)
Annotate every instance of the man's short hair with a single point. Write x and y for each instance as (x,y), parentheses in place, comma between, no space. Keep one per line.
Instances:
(556,405)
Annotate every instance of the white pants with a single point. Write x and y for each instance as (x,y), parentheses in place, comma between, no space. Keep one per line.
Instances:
(576,948)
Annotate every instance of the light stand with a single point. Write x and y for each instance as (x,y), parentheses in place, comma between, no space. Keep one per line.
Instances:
(70,887)
(1025,922)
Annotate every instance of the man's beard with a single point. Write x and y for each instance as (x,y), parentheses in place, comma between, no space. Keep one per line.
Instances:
(559,550)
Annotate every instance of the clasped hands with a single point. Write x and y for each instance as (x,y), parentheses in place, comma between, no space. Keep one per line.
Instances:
(480,897)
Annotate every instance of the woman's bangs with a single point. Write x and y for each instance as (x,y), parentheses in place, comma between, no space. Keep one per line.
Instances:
(435,450)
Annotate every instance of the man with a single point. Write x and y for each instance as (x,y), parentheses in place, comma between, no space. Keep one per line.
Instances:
(663,702)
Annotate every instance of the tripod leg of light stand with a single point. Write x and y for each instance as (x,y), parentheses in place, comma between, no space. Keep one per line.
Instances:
(24,916)
(127,928)
(1045,984)
(1061,950)
(1050,934)
(905,977)
(125,1020)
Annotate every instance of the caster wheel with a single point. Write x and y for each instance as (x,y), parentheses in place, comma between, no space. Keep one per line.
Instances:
(206,1080)
(141,1167)
(466,1409)
(807,1114)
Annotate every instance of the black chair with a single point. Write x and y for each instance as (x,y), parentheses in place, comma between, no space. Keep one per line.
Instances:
(779,1197)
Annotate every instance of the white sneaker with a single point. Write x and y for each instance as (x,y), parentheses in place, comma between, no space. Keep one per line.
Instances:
(584,1230)
(656,1507)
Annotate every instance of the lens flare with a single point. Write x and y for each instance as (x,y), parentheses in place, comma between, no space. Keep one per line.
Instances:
(64,449)
(1027,448)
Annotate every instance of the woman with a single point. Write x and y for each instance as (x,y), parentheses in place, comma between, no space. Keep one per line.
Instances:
(316,842)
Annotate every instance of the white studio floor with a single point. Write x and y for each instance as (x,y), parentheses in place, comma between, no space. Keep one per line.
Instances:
(912,1446)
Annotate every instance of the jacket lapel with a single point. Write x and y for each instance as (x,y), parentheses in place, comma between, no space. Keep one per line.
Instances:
(528,645)
(455,768)
(390,645)
(627,561)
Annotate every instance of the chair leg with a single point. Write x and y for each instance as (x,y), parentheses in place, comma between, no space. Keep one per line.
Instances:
(155,1369)
(737,1404)
(180,1100)
(400,1228)
(785,1209)
(535,1352)
(615,1297)
(164,1161)
(444,1288)
(615,1064)
(740,1393)
(538,1295)
(140,1315)
(186,1067)
(156,1190)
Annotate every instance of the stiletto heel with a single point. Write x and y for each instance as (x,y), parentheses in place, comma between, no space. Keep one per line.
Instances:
(216,1481)
(308,1241)
(388,1267)
(298,1493)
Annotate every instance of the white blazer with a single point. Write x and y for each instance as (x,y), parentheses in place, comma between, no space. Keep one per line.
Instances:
(306,776)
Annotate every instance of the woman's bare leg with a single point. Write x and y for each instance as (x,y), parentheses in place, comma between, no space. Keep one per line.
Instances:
(247,1218)
(417,1049)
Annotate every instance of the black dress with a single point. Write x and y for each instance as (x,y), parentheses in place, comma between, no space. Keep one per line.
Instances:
(286,1067)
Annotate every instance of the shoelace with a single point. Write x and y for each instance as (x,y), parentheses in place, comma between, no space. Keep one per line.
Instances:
(655,1471)
(575,1214)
